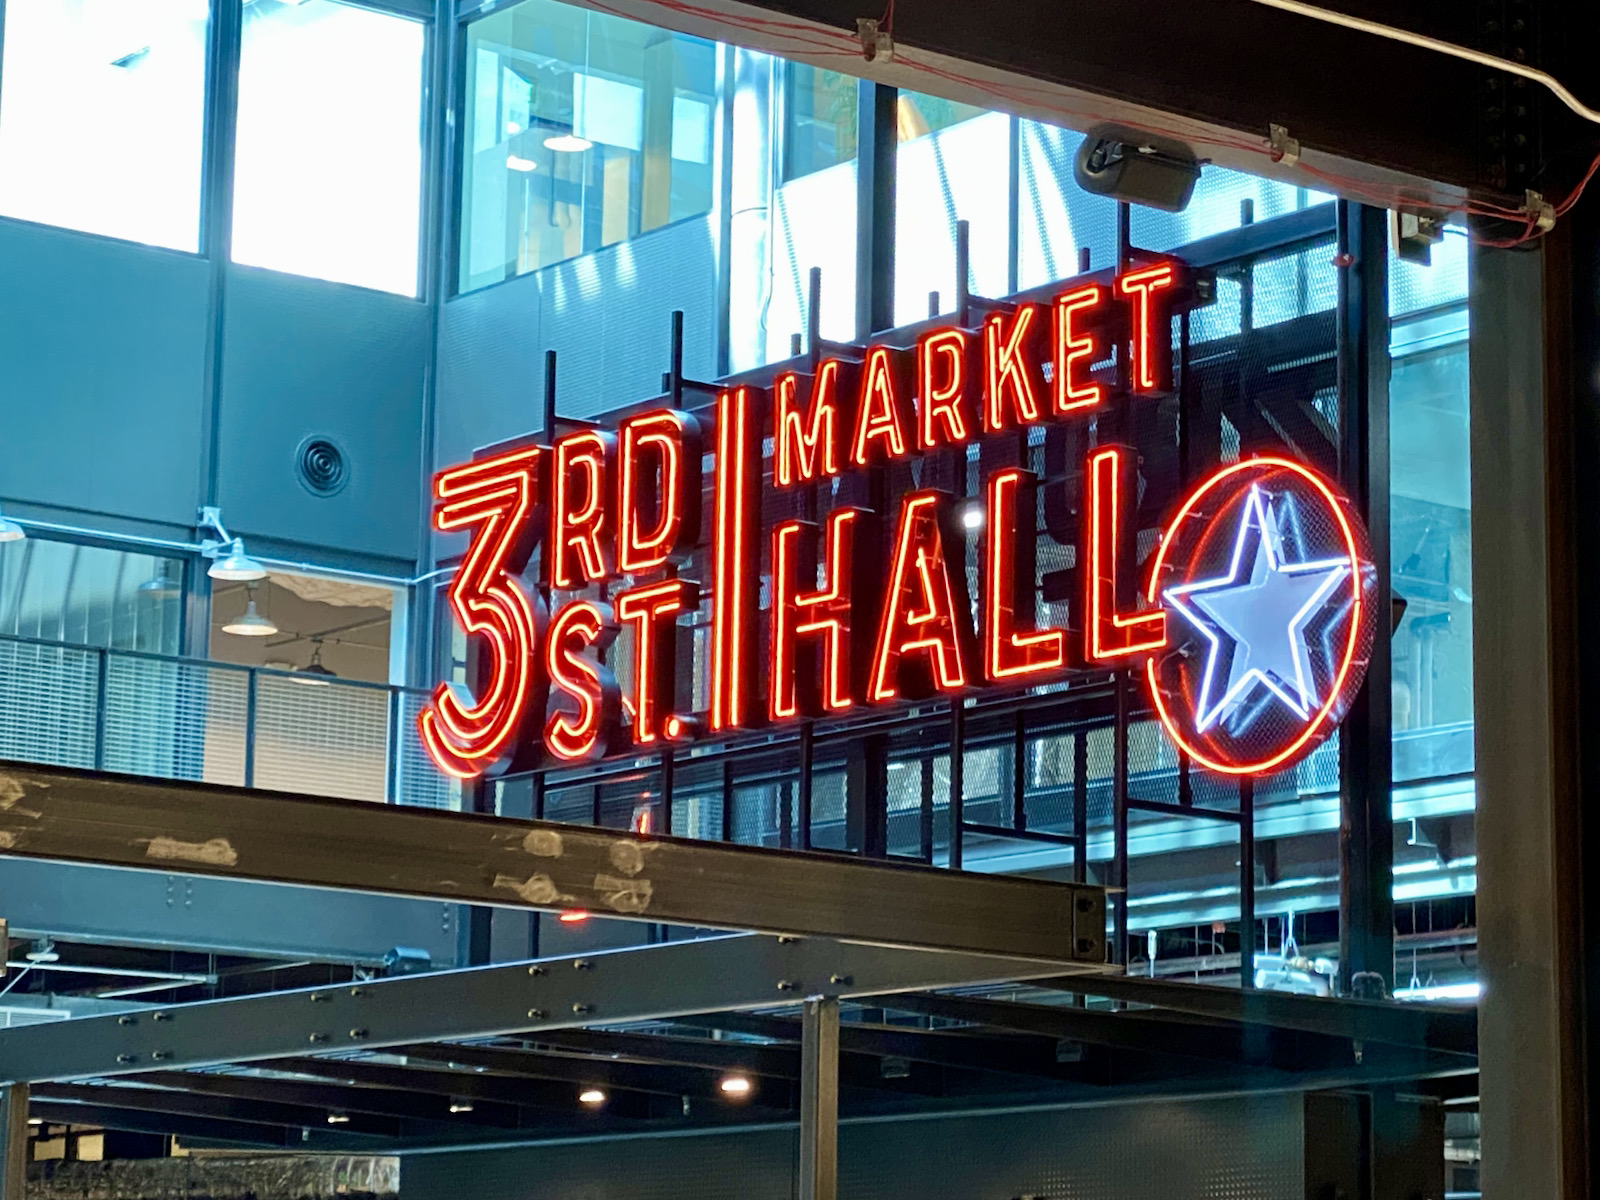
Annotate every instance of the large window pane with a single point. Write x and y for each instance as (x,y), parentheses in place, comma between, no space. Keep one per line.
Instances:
(820,119)
(583,130)
(329,164)
(102,110)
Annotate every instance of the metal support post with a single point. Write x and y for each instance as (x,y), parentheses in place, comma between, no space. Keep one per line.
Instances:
(875,171)
(1366,826)
(14,1130)
(1247,882)
(819,1099)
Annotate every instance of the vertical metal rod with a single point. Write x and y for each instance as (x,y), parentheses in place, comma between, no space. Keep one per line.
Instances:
(392,791)
(933,303)
(925,830)
(963,269)
(1247,281)
(813,346)
(594,806)
(1019,773)
(1247,882)
(14,1139)
(806,751)
(102,677)
(675,387)
(727,799)
(1080,806)
(1124,235)
(1119,808)
(250,701)
(958,783)
(669,779)
(1085,260)
(819,1099)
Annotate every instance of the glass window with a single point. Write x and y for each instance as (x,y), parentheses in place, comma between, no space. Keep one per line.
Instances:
(583,130)
(1430,520)
(819,118)
(328,170)
(102,115)
(91,596)
(918,114)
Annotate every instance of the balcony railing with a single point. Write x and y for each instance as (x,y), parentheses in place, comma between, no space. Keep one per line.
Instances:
(186,718)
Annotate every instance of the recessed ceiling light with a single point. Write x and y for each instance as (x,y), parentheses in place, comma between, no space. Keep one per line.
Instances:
(461,1106)
(515,162)
(567,143)
(573,915)
(591,1097)
(338,1118)
(735,1085)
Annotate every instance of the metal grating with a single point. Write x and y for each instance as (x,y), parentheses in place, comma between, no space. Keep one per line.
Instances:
(322,739)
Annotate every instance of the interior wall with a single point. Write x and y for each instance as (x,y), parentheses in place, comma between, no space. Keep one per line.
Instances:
(102,354)
(607,316)
(1228,1149)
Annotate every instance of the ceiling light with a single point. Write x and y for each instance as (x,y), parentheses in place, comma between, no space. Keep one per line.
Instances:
(236,564)
(735,1085)
(461,1106)
(567,143)
(513,128)
(592,1097)
(43,951)
(10,531)
(337,1118)
(35,1120)
(972,517)
(573,915)
(515,162)
(160,586)
(251,623)
(314,671)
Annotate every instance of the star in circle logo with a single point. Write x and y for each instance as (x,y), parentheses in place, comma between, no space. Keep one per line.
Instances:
(1266,576)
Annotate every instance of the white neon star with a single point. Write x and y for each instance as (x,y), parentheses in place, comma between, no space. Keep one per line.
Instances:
(1263,611)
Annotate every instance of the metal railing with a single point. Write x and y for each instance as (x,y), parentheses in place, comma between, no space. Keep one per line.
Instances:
(185,718)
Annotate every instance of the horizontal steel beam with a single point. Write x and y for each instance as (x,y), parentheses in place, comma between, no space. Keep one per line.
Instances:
(121,821)
(648,983)
(1418,1026)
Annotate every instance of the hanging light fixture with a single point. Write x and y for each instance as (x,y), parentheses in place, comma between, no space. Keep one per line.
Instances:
(10,531)
(161,585)
(573,142)
(314,671)
(251,623)
(236,565)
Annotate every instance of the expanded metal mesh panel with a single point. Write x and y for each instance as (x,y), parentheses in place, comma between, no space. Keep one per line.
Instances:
(48,696)
(322,739)
(175,720)
(1057,218)
(1217,206)
(417,781)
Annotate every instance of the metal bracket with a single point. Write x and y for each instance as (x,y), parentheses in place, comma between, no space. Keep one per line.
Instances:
(1540,211)
(876,44)
(1285,149)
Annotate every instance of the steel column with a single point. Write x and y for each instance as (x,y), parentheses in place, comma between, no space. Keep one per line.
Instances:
(877,144)
(1366,826)
(819,1099)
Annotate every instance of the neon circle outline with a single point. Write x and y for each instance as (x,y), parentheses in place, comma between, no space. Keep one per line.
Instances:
(1323,488)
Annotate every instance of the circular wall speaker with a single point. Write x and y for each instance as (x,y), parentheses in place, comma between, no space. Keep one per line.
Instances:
(321,467)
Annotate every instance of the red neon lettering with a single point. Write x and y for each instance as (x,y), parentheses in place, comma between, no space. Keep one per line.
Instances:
(495,498)
(581,732)
(815,640)
(925,635)
(1077,349)
(653,613)
(945,386)
(810,443)
(1011,381)
(880,417)
(1151,358)
(1009,570)
(659,471)
(1110,634)
(578,518)
(735,556)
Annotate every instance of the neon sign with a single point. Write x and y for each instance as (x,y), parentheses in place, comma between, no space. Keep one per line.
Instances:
(1248,615)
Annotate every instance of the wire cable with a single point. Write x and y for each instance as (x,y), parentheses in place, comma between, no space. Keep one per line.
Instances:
(1466,54)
